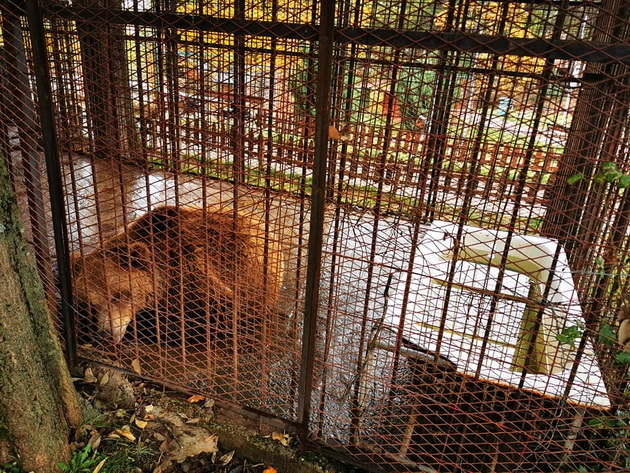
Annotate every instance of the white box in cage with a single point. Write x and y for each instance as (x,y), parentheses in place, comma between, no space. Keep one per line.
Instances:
(494,304)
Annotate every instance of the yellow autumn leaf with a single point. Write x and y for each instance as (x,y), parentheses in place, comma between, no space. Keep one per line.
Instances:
(141,424)
(135,365)
(126,433)
(282,438)
(99,467)
(196,398)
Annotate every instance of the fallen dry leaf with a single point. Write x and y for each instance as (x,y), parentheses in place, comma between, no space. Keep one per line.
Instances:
(187,442)
(196,398)
(227,458)
(99,467)
(89,377)
(141,424)
(165,446)
(135,365)
(282,438)
(104,379)
(126,433)
(95,440)
(193,421)
(148,408)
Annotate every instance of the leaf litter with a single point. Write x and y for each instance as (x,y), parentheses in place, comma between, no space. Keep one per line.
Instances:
(156,434)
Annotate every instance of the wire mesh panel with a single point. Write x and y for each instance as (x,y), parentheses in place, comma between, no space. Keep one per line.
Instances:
(460,313)
(468,311)
(183,171)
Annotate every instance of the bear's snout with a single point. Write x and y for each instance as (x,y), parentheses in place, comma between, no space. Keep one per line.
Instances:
(185,264)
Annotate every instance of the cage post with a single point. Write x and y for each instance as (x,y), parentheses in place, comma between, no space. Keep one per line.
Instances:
(316,231)
(53,168)
(573,218)
(26,123)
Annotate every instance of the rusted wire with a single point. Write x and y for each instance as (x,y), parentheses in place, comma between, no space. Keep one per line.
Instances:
(399,229)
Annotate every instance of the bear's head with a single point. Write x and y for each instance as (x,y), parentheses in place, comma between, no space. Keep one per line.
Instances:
(113,284)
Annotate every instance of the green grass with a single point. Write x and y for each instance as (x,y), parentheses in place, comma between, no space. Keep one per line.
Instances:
(365,195)
(11,467)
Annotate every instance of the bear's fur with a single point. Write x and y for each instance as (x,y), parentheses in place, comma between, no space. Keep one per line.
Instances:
(208,268)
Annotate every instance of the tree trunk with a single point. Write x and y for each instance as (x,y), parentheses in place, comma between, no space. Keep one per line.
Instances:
(38,403)
(107,87)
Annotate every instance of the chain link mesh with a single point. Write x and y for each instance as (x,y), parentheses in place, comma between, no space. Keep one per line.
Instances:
(474,260)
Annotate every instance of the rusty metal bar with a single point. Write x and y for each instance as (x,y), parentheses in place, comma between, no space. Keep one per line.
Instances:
(316,231)
(53,168)
(27,128)
(249,412)
(575,50)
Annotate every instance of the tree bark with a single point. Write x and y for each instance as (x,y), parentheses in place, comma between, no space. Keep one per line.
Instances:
(38,403)
(108,88)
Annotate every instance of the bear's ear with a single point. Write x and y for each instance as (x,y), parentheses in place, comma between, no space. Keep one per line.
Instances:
(158,222)
(136,255)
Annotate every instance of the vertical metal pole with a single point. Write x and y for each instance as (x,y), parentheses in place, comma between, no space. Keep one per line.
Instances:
(324,64)
(26,122)
(53,169)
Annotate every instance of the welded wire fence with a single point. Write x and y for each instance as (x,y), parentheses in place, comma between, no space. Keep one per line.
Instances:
(399,229)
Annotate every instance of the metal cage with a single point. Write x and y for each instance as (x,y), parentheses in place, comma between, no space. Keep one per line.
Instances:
(399,229)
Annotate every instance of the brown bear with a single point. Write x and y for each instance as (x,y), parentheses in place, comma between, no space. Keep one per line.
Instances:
(205,267)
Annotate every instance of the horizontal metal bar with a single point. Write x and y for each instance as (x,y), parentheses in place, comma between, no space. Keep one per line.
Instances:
(273,29)
(455,41)
(369,457)
(476,43)
(249,412)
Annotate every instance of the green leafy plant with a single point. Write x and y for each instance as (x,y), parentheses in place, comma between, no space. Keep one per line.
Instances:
(569,335)
(607,335)
(609,173)
(623,357)
(609,433)
(82,461)
(13,467)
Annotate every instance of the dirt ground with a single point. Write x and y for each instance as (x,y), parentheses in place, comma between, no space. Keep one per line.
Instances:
(139,427)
